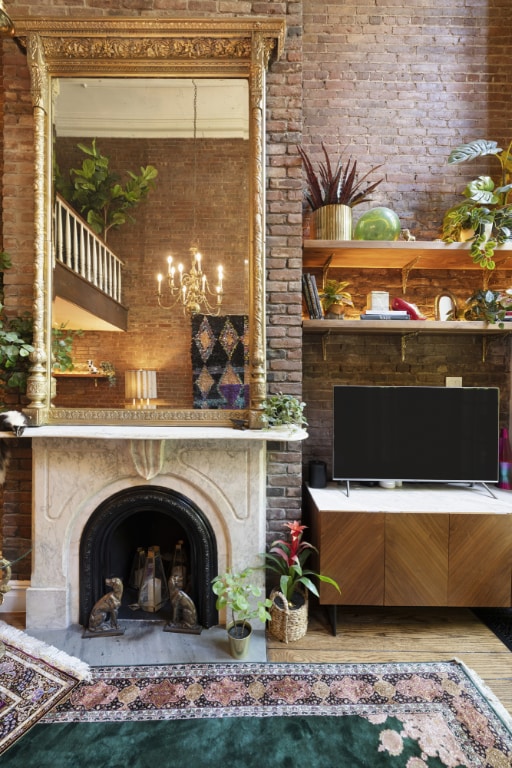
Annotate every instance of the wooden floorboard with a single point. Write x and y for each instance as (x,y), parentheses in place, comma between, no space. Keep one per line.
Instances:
(373,635)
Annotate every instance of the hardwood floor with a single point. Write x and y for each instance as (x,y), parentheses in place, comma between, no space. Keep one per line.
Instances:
(395,634)
(403,634)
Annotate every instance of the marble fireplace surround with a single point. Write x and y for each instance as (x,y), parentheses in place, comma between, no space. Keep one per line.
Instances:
(76,468)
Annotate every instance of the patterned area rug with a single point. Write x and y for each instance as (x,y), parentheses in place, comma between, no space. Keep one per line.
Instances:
(419,715)
(34,677)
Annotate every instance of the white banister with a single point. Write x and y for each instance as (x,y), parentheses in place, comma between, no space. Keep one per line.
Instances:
(80,249)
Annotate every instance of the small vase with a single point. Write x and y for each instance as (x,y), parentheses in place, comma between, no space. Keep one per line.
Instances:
(333,222)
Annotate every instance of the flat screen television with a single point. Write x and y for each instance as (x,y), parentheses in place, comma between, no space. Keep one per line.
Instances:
(416,434)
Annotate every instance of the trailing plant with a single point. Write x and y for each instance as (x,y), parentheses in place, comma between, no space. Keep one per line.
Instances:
(333,292)
(486,211)
(284,410)
(15,341)
(98,194)
(236,593)
(62,347)
(109,371)
(287,558)
(489,306)
(336,183)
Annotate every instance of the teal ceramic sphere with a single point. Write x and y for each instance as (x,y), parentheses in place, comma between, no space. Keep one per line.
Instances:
(378,224)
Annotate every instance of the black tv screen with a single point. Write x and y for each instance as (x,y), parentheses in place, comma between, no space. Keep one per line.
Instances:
(421,434)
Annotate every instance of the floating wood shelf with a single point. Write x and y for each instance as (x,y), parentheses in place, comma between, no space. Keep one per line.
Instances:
(404,255)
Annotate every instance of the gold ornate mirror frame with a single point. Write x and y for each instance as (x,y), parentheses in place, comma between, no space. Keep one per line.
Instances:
(124,47)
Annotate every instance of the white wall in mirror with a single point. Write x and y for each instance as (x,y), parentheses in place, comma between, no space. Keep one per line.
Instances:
(151,107)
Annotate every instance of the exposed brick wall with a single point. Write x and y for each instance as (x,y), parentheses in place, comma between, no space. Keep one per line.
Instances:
(402,84)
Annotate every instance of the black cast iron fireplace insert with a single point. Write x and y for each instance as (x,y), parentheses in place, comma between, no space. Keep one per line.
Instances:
(141,517)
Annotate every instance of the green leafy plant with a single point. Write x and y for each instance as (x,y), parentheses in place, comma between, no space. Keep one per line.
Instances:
(333,292)
(15,341)
(489,306)
(336,183)
(98,194)
(236,592)
(486,212)
(284,410)
(287,558)
(62,347)
(109,371)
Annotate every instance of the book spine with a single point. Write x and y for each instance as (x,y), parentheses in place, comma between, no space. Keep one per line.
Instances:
(383,316)
(307,297)
(315,298)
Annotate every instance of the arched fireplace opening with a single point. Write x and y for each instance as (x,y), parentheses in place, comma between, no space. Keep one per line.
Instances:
(140,518)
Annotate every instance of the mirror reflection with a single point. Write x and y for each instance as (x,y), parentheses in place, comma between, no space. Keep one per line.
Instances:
(147,175)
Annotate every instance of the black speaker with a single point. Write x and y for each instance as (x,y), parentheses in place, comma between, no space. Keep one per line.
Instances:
(317,474)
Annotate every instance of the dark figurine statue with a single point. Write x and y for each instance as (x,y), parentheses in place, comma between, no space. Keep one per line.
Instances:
(106,606)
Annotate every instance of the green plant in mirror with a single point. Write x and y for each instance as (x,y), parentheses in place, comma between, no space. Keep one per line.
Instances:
(486,212)
(62,347)
(98,193)
(15,341)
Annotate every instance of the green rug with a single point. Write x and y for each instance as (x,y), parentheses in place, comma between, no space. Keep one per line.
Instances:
(430,715)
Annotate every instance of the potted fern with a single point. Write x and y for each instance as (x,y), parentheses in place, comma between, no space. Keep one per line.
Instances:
(332,192)
(486,214)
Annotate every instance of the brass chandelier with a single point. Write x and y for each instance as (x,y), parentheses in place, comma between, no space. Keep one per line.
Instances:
(191,289)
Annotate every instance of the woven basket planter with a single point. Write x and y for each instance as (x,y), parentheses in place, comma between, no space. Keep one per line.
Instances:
(287,624)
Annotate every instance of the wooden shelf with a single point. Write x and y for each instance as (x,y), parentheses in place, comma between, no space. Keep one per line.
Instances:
(404,326)
(380,254)
(73,375)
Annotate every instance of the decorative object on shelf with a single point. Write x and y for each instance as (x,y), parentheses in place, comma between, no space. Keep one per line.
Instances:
(193,288)
(140,388)
(281,410)
(183,611)
(103,616)
(97,194)
(378,224)
(109,371)
(505,457)
(312,297)
(153,591)
(289,601)
(411,309)
(335,298)
(407,236)
(489,306)
(91,367)
(332,193)
(445,306)
(486,212)
(378,301)
(220,353)
(236,593)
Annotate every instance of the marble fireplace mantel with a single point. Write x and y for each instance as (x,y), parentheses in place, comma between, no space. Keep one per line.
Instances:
(77,468)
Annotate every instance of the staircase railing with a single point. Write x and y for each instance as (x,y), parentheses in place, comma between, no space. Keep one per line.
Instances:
(81,250)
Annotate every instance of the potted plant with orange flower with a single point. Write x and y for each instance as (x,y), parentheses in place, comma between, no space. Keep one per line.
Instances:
(289,609)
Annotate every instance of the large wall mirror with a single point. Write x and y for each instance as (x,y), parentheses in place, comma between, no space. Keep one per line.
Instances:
(149,144)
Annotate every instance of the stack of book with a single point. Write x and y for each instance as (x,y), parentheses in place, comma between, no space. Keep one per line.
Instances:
(311,297)
(390,314)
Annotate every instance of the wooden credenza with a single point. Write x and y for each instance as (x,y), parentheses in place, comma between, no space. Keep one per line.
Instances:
(413,546)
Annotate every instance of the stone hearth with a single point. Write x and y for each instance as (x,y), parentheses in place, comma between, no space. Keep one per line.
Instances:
(76,469)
